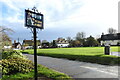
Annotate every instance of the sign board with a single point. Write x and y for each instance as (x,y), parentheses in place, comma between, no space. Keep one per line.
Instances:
(33,19)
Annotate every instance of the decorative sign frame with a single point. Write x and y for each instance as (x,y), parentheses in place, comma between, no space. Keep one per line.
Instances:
(33,19)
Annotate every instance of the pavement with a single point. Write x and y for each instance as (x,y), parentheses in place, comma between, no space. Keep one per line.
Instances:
(115,53)
(77,69)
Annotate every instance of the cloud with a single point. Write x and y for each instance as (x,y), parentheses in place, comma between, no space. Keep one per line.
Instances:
(58,9)
(14,9)
(102,13)
(91,16)
(53,11)
(9,4)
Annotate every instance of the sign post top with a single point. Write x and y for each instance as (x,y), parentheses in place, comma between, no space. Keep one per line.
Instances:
(33,19)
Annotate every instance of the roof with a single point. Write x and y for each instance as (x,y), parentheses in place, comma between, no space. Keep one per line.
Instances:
(111,36)
(30,42)
(61,41)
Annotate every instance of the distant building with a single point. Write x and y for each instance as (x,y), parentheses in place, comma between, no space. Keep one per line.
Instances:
(110,39)
(16,45)
(61,42)
(7,44)
(29,44)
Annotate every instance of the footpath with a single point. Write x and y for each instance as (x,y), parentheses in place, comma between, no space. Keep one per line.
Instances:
(77,69)
(115,53)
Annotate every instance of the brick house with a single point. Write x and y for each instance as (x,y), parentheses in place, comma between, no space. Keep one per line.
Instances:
(29,44)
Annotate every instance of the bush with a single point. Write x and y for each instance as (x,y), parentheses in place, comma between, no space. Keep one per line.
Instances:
(16,65)
(12,54)
(44,73)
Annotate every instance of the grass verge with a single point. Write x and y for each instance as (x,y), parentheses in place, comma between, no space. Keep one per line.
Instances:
(85,54)
(43,72)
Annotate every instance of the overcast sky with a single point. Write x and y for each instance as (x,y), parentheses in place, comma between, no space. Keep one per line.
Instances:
(62,18)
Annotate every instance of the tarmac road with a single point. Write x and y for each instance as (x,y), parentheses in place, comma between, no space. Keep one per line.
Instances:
(77,69)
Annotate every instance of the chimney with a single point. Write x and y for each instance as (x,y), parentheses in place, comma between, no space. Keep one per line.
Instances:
(14,41)
(102,33)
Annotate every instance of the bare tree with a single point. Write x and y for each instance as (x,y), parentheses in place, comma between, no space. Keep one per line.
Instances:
(69,39)
(4,32)
(4,37)
(80,36)
(112,31)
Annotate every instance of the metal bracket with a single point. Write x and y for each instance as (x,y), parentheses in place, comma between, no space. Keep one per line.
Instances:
(35,9)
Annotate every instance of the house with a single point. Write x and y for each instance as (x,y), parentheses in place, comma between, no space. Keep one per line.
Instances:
(110,39)
(16,45)
(7,44)
(29,44)
(61,42)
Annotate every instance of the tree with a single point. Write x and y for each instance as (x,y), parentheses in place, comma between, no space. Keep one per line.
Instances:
(44,41)
(45,44)
(91,41)
(54,44)
(69,39)
(5,39)
(112,31)
(75,43)
(80,36)
(98,38)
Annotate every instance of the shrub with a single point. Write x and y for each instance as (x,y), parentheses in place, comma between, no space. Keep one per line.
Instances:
(12,54)
(44,73)
(15,65)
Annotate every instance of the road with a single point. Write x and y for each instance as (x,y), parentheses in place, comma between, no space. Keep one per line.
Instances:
(77,69)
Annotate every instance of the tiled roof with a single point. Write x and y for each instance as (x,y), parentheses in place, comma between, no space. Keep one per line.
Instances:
(61,41)
(30,42)
(111,37)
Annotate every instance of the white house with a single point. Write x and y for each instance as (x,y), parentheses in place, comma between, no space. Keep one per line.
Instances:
(7,47)
(16,45)
(61,42)
(110,39)
(7,44)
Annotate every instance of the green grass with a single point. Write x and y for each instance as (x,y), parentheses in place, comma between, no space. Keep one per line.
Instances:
(42,71)
(115,49)
(86,54)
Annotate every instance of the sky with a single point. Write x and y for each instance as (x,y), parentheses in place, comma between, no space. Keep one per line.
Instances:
(62,18)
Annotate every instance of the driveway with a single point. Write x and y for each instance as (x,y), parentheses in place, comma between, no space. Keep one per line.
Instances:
(77,69)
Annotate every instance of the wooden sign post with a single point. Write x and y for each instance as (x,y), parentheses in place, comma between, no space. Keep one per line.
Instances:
(34,20)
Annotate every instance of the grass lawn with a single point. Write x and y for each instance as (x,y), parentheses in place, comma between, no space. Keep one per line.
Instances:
(87,54)
(44,73)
